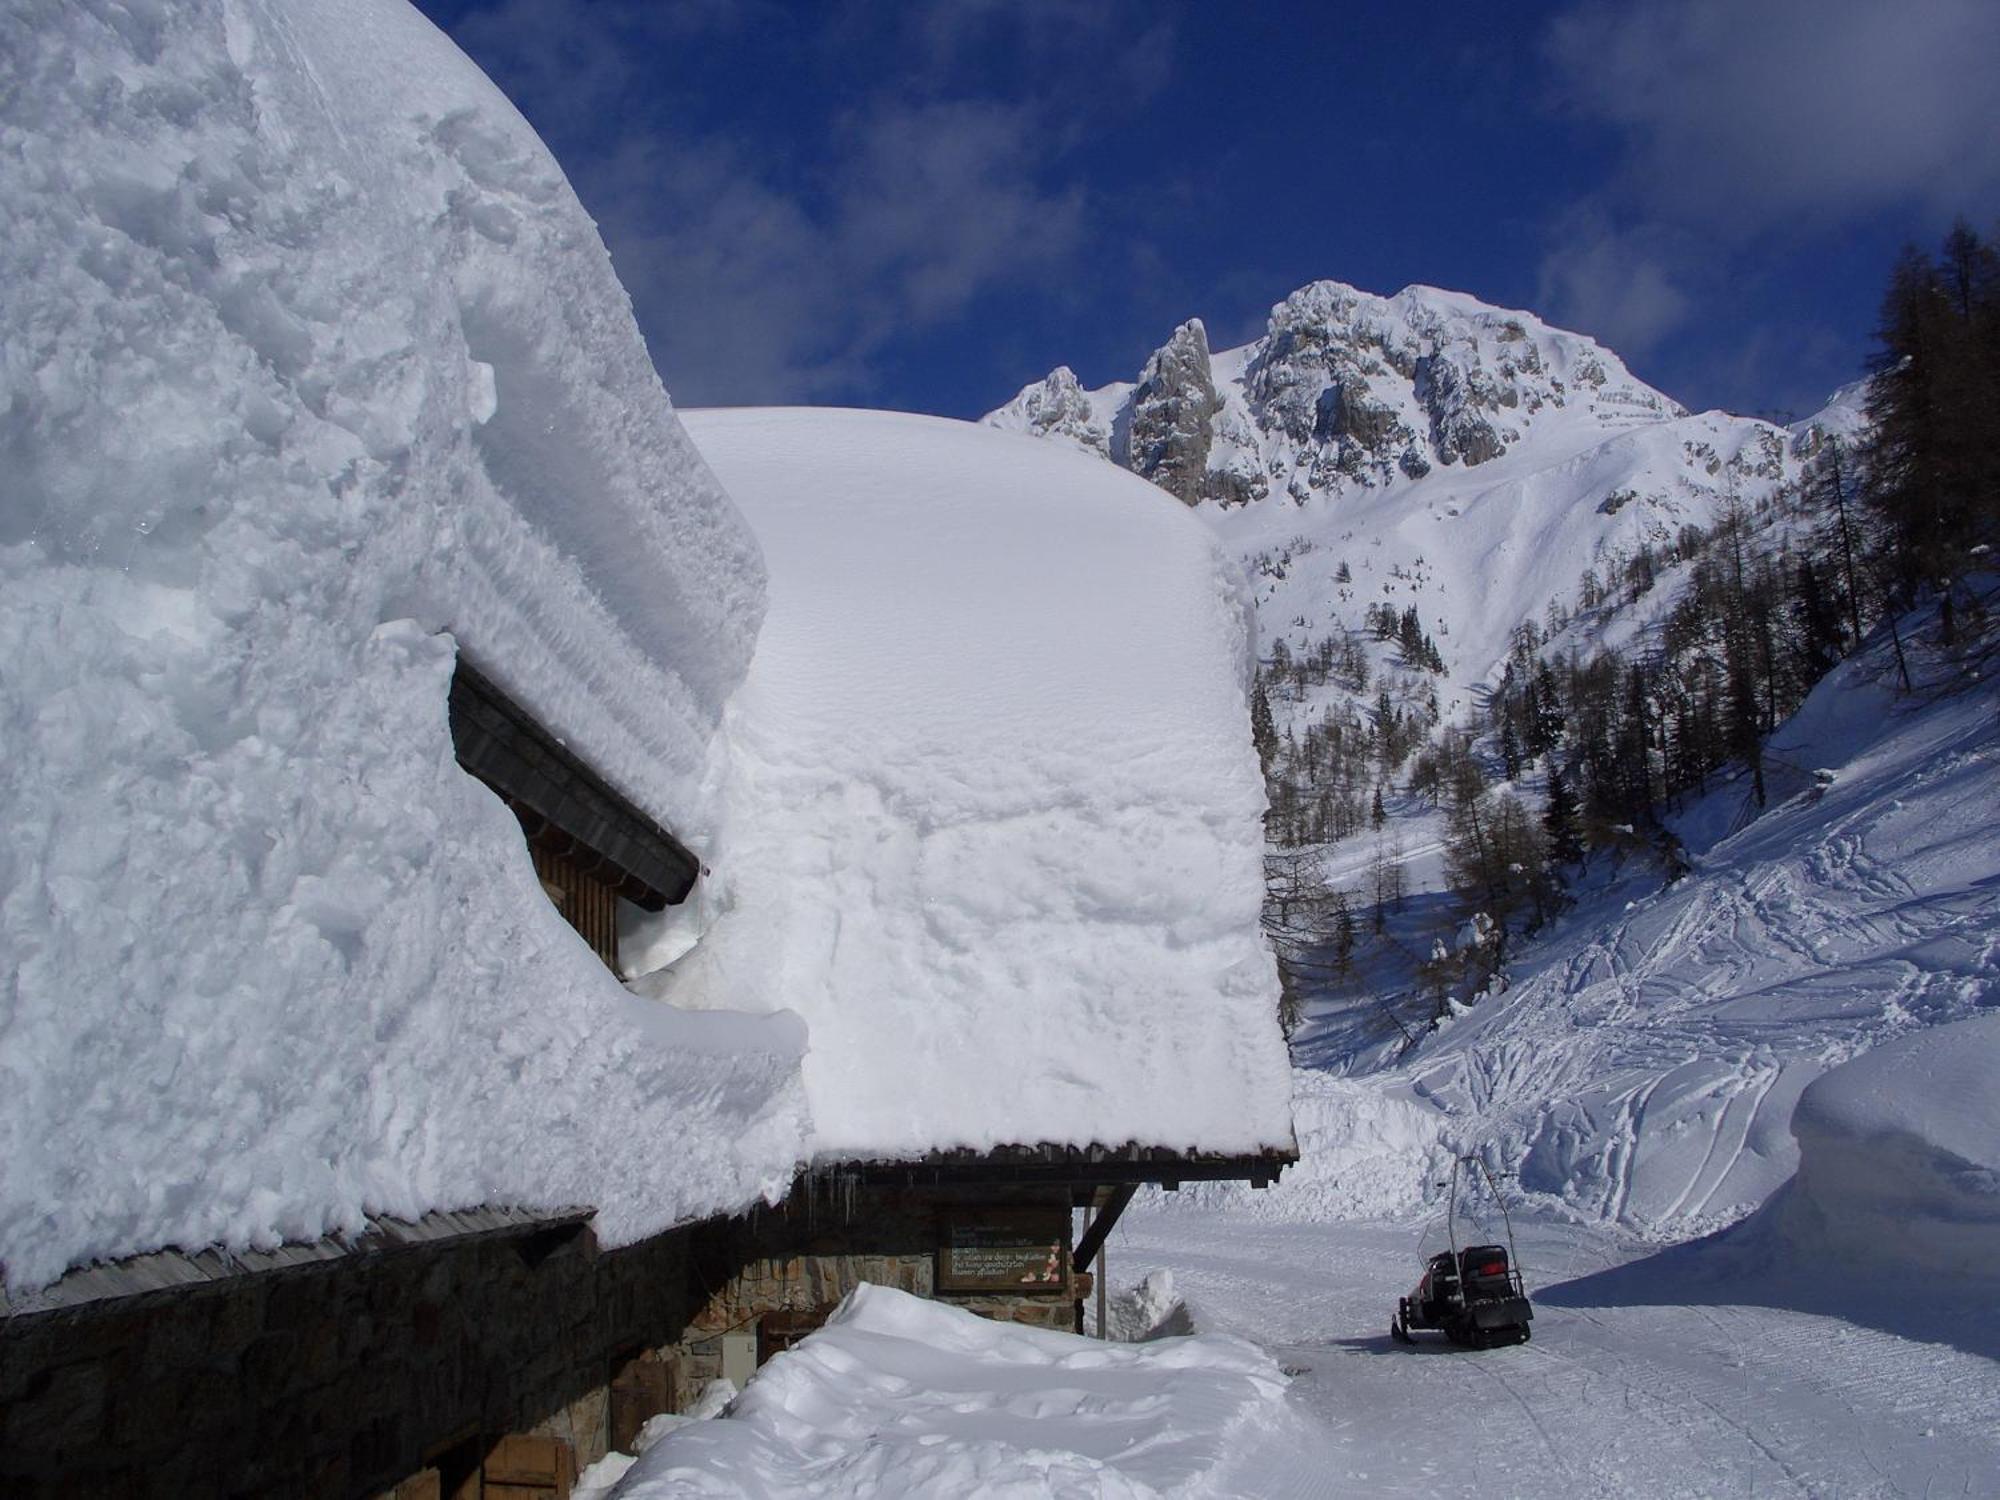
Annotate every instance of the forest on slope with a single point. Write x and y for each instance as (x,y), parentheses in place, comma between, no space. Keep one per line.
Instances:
(1663,673)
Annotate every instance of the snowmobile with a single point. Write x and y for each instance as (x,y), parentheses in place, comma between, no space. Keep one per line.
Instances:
(1473,1296)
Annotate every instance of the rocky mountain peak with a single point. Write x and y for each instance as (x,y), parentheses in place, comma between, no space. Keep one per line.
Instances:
(1345,390)
(1057,406)
(1171,428)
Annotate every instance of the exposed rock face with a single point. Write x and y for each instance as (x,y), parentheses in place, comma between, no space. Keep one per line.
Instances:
(1172,414)
(1454,403)
(1344,390)
(1058,407)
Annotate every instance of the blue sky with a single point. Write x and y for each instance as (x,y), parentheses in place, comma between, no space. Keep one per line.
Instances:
(926,206)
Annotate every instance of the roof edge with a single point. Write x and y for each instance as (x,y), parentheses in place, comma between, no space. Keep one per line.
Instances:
(172,1270)
(1052,1163)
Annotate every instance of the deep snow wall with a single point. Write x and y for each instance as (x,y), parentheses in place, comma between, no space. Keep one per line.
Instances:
(993,815)
(312,370)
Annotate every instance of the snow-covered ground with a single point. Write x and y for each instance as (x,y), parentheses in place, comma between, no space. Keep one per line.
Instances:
(1651,1374)
(897,1396)
(1643,1067)
(1645,1381)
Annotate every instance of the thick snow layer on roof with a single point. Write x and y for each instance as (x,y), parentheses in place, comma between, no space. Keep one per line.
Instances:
(314,367)
(899,1396)
(993,814)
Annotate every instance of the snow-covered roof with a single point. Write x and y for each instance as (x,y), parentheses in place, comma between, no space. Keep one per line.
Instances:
(992,813)
(313,371)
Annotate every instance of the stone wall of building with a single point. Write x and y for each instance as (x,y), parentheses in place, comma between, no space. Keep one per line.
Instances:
(786,1268)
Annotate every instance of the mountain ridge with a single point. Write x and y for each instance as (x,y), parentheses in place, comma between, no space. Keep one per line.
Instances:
(1431,440)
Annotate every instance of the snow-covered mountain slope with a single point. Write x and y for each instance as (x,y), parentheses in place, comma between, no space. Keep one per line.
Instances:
(1644,1065)
(312,372)
(1423,449)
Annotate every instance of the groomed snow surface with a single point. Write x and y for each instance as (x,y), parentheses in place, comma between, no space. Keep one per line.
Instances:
(315,371)
(991,811)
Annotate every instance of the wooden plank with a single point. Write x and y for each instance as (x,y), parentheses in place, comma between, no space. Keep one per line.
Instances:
(425,1484)
(641,1389)
(528,1467)
(1100,1225)
(778,1331)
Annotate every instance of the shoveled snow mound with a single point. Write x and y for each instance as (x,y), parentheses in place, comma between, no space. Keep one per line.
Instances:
(1368,1149)
(313,370)
(1899,1155)
(901,1396)
(993,810)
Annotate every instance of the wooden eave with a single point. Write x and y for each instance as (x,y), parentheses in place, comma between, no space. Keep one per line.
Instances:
(161,1273)
(1069,1166)
(563,805)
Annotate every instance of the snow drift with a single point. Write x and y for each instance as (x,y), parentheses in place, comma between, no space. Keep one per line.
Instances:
(899,1396)
(992,812)
(314,371)
(1899,1156)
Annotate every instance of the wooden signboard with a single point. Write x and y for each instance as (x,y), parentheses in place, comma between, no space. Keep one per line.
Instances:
(1004,1250)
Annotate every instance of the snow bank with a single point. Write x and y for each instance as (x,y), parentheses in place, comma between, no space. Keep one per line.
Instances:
(993,811)
(1899,1155)
(313,370)
(900,1396)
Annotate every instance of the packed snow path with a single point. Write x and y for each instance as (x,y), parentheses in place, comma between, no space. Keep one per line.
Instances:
(1614,1396)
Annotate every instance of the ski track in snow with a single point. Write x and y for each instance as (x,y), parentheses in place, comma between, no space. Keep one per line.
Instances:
(1643,1067)
(1606,1401)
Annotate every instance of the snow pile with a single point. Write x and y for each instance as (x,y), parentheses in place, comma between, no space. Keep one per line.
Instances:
(1368,1148)
(900,1396)
(992,816)
(1899,1156)
(313,370)
(1153,1309)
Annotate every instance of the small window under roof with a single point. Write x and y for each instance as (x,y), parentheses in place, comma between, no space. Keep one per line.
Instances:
(591,845)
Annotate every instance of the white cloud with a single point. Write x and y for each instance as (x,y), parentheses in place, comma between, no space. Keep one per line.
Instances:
(748,294)
(1618,286)
(944,199)
(760,275)
(1746,117)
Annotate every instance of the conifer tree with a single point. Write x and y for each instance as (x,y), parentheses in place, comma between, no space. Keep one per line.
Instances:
(1559,820)
(1933,464)
(1263,731)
